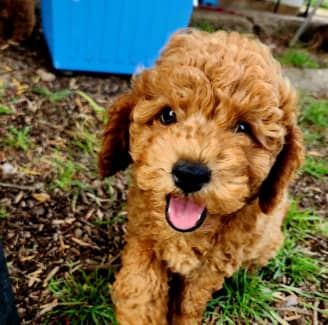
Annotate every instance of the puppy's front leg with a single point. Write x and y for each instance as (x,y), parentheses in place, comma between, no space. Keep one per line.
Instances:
(197,291)
(140,291)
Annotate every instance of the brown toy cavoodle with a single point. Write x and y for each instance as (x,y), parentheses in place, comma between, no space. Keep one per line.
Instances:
(212,137)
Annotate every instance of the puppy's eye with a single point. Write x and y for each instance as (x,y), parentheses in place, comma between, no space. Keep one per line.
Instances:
(243,128)
(167,116)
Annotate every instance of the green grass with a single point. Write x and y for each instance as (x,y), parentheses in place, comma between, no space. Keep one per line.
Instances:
(100,110)
(314,123)
(292,264)
(314,120)
(250,298)
(4,110)
(299,59)
(244,297)
(293,261)
(83,298)
(97,108)
(3,213)
(312,138)
(205,26)
(324,4)
(314,112)
(315,167)
(66,178)
(302,224)
(87,142)
(19,139)
(52,96)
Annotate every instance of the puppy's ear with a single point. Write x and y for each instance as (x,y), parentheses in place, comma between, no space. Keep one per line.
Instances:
(288,160)
(114,152)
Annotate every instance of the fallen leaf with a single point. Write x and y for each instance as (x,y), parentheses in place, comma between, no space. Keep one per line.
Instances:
(27,171)
(41,197)
(45,75)
(20,88)
(291,300)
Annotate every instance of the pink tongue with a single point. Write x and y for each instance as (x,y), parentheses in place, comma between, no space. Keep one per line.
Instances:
(183,213)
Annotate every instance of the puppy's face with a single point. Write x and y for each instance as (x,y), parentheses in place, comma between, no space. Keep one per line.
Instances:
(203,141)
(201,151)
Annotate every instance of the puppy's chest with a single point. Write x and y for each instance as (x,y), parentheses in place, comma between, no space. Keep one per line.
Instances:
(183,255)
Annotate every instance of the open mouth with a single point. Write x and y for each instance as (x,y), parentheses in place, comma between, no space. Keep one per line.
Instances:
(184,215)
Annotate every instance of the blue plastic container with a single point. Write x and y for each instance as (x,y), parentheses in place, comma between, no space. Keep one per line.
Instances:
(213,3)
(110,36)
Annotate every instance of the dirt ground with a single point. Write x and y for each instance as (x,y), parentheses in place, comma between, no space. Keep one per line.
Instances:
(55,211)
(44,231)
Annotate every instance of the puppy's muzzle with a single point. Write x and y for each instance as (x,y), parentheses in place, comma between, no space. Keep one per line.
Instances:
(190,176)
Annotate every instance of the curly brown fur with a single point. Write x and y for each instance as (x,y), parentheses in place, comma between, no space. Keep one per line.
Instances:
(17,19)
(236,115)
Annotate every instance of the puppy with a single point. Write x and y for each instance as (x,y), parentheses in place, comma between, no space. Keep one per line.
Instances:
(212,137)
(17,19)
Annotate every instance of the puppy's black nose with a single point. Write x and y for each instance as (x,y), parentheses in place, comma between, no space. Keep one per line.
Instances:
(190,176)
